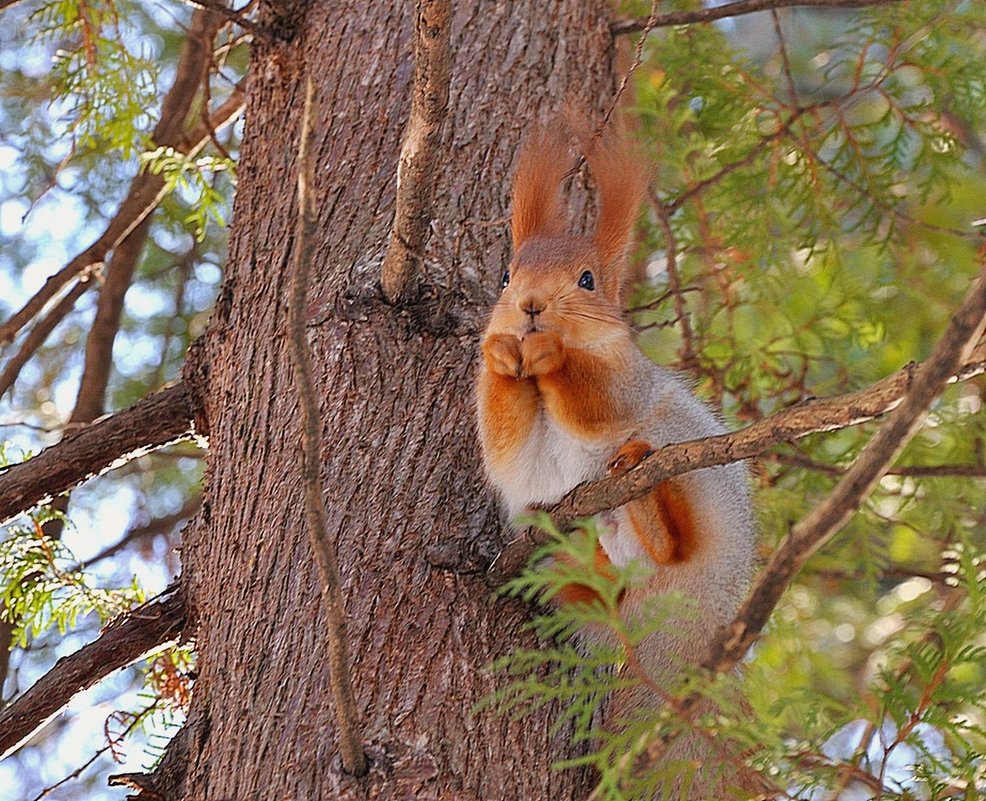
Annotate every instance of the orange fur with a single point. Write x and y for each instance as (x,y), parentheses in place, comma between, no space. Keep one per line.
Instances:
(628,456)
(580,395)
(580,593)
(542,353)
(662,520)
(501,355)
(536,206)
(510,406)
(678,518)
(621,184)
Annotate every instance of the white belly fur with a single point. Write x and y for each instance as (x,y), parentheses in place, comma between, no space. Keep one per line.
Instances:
(549,464)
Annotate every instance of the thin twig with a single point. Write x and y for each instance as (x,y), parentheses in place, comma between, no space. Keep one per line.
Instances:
(785,59)
(138,718)
(420,150)
(687,353)
(638,59)
(672,206)
(350,737)
(736,9)
(159,525)
(234,15)
(910,471)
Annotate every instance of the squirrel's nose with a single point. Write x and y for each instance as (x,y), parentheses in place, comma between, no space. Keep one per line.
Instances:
(532,306)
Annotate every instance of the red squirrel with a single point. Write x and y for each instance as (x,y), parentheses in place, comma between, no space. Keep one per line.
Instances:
(565,396)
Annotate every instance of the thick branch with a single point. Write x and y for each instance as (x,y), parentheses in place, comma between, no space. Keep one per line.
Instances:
(156,420)
(420,151)
(123,642)
(731,10)
(810,417)
(316,522)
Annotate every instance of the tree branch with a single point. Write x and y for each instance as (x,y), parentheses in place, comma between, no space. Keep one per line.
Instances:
(231,14)
(350,737)
(420,150)
(36,338)
(123,642)
(909,471)
(159,525)
(810,417)
(176,108)
(829,517)
(156,420)
(146,192)
(952,351)
(736,9)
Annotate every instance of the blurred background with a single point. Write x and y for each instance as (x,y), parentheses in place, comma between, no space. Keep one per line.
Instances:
(818,178)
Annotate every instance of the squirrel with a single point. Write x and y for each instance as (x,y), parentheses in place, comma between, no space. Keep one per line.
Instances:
(564,396)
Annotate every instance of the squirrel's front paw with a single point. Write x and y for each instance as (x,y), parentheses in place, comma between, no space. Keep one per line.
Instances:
(542,352)
(502,354)
(628,456)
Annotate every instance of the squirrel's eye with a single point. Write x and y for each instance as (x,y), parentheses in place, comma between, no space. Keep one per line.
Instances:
(505,279)
(586,282)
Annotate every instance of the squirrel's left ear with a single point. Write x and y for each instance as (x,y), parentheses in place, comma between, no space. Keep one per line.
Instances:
(621,180)
(537,208)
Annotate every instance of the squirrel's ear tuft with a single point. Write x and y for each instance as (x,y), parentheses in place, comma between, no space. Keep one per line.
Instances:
(536,208)
(621,181)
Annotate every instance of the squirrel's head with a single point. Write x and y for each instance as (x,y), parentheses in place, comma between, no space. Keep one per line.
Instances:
(557,281)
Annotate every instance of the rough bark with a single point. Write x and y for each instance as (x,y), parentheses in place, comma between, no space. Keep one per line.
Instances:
(400,467)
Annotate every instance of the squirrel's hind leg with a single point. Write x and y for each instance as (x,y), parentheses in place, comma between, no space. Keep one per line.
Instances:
(662,520)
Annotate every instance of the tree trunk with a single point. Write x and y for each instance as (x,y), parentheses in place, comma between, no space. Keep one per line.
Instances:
(401,470)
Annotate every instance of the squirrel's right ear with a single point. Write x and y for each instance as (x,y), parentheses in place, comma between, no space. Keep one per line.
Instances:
(536,208)
(621,183)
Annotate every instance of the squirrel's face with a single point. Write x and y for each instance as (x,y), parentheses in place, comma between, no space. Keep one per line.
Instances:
(559,285)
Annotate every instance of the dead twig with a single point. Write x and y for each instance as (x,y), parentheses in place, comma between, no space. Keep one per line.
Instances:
(153,528)
(736,9)
(111,743)
(638,59)
(350,737)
